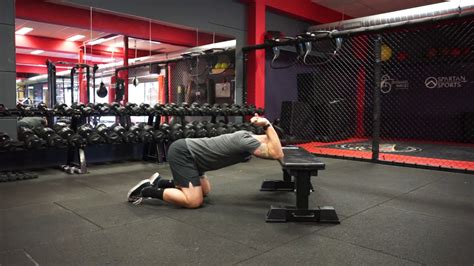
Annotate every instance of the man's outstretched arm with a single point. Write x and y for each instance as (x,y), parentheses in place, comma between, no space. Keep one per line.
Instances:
(271,146)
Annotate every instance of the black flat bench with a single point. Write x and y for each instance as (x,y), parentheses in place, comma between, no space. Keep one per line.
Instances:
(301,165)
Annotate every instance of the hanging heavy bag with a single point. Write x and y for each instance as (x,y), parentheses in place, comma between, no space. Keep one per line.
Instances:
(102,92)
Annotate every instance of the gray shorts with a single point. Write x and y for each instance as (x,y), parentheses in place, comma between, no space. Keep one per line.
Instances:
(182,165)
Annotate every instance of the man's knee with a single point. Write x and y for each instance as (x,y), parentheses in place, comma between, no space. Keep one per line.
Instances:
(206,189)
(194,203)
(205,185)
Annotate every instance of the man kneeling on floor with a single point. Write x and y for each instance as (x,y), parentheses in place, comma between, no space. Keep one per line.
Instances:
(190,158)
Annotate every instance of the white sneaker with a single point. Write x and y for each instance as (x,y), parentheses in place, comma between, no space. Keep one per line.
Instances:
(154,178)
(135,194)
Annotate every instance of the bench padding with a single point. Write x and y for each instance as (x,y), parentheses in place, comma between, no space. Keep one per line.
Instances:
(297,158)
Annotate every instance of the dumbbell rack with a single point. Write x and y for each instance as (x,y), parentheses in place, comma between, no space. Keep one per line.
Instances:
(71,166)
(153,151)
(157,151)
(79,167)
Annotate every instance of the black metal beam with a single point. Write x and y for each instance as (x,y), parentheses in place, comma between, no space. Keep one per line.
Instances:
(324,35)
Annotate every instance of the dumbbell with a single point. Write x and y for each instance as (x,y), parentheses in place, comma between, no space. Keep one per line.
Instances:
(109,135)
(14,176)
(221,123)
(43,108)
(194,109)
(216,109)
(78,109)
(73,139)
(133,109)
(251,110)
(118,109)
(222,131)
(201,131)
(165,128)
(50,136)
(176,132)
(231,127)
(102,108)
(244,110)
(5,141)
(225,109)
(221,128)
(170,109)
(87,110)
(211,130)
(63,109)
(148,129)
(165,109)
(143,135)
(24,110)
(259,130)
(182,110)
(235,109)
(189,131)
(240,126)
(129,136)
(250,127)
(30,139)
(120,131)
(146,133)
(146,109)
(206,109)
(158,109)
(59,126)
(4,111)
(17,175)
(90,135)
(159,136)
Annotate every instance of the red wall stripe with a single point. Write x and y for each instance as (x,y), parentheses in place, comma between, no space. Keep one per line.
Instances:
(256,59)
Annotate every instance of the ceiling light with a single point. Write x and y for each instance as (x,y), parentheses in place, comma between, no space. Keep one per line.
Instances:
(101,40)
(119,44)
(37,52)
(75,38)
(23,30)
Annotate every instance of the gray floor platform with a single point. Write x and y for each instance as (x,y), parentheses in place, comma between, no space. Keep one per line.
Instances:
(389,216)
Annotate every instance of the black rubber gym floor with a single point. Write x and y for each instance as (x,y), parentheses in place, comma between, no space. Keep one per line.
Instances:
(390,215)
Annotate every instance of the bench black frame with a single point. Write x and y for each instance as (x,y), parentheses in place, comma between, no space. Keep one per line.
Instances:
(301,165)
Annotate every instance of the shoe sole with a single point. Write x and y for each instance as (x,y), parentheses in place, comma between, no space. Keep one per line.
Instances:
(136,187)
(153,178)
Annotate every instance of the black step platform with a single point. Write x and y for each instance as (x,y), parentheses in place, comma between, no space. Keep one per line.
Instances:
(301,165)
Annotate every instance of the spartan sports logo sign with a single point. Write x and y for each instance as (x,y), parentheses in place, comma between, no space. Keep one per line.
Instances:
(445,82)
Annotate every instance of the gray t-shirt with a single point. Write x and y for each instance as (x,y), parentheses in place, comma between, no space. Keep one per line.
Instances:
(221,151)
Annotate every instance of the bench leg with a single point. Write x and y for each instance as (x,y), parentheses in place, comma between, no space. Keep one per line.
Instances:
(324,214)
(302,183)
(281,185)
(301,213)
(286,176)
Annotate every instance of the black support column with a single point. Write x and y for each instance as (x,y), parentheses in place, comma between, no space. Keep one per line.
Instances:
(7,64)
(377,101)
